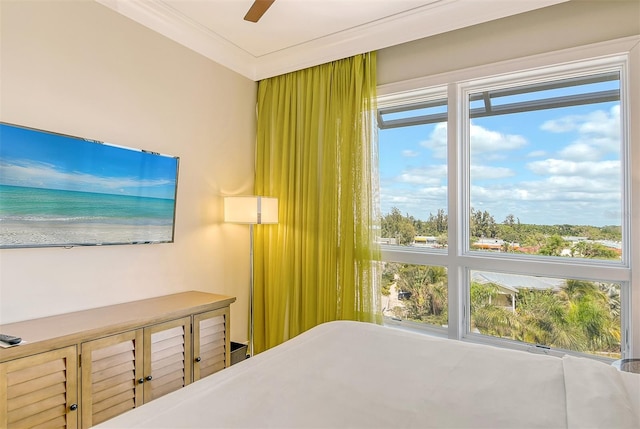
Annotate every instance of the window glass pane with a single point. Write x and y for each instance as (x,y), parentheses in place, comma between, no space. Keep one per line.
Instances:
(545,168)
(413,179)
(569,314)
(415,292)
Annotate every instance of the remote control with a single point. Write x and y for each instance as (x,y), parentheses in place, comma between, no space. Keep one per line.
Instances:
(9,339)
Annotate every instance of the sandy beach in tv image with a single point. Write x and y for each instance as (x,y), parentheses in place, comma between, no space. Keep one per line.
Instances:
(57,190)
(43,234)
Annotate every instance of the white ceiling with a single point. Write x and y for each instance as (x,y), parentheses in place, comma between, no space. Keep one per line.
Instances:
(294,34)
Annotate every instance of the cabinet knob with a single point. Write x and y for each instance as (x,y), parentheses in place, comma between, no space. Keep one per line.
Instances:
(148,378)
(198,359)
(73,407)
(140,380)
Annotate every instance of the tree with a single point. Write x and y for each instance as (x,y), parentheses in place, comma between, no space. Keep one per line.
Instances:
(426,287)
(488,318)
(581,316)
(553,246)
(544,320)
(612,292)
(510,220)
(590,249)
(589,309)
(482,224)
(507,247)
(536,239)
(388,277)
(394,225)
(438,224)
(406,234)
(443,240)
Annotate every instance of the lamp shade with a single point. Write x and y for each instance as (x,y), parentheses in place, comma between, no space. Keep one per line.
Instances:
(250,209)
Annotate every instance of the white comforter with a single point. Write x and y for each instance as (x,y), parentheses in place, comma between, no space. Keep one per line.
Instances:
(358,375)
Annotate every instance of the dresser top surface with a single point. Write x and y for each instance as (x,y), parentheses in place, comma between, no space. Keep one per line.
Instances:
(129,315)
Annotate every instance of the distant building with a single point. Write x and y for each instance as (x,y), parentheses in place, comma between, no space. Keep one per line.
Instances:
(509,284)
(493,244)
(386,240)
(573,239)
(425,241)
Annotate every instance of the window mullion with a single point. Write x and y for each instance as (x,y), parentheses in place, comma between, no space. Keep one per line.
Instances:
(546,267)
(631,85)
(455,188)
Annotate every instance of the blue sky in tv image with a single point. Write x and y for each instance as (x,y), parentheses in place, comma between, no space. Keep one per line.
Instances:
(57,190)
(39,159)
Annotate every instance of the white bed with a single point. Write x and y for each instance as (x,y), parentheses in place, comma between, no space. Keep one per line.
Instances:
(359,375)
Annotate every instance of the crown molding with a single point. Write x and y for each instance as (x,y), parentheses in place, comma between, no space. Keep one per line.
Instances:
(162,19)
(437,17)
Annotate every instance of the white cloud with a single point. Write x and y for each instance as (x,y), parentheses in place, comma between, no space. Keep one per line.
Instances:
(575,200)
(591,148)
(37,174)
(554,188)
(484,140)
(437,141)
(430,176)
(580,151)
(479,172)
(418,191)
(562,125)
(579,187)
(598,122)
(418,203)
(586,169)
(598,134)
(602,124)
(407,153)
(572,178)
(537,154)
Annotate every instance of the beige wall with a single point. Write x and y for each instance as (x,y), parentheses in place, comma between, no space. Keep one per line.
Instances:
(561,26)
(81,69)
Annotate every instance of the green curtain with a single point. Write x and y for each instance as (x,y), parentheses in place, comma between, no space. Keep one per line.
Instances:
(314,152)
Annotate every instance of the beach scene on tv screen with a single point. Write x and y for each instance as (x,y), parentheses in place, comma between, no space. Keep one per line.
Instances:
(58,190)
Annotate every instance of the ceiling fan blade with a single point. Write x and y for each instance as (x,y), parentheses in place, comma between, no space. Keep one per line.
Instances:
(258,8)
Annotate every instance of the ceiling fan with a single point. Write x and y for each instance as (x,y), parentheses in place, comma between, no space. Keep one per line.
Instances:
(257,9)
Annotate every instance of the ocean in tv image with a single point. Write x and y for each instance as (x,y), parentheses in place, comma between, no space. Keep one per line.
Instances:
(57,190)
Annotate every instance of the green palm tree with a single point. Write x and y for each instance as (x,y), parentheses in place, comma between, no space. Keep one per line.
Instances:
(426,287)
(589,308)
(543,317)
(488,318)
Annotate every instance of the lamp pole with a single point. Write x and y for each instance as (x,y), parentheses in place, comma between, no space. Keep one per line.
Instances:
(251,290)
(251,210)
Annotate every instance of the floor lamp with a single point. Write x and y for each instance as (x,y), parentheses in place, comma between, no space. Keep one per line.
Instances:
(251,210)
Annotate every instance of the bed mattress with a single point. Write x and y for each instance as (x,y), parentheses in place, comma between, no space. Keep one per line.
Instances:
(361,375)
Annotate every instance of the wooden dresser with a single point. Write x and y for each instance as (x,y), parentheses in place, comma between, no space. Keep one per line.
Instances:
(79,369)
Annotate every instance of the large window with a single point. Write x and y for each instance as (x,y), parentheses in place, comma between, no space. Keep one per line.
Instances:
(545,167)
(413,174)
(505,207)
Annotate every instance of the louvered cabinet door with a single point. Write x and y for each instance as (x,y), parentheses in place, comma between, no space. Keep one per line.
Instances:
(210,342)
(111,369)
(40,390)
(167,359)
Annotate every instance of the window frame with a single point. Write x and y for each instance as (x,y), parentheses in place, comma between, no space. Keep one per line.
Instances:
(459,259)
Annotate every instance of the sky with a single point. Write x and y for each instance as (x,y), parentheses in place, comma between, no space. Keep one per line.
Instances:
(36,159)
(546,167)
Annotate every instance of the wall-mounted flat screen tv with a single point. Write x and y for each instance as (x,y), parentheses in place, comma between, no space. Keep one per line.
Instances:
(60,190)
